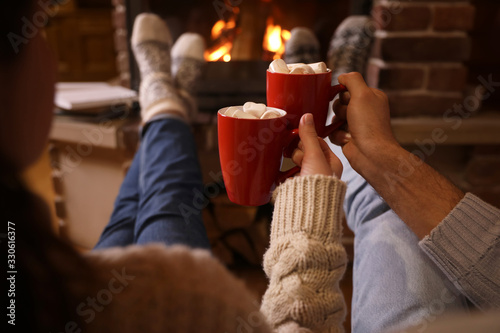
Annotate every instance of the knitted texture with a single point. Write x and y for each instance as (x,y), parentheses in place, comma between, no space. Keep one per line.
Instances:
(159,93)
(156,288)
(306,259)
(465,247)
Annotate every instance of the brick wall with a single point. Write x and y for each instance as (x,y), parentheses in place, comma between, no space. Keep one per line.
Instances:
(121,41)
(419,53)
(482,174)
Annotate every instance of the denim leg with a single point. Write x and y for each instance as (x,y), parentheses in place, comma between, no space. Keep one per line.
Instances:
(395,285)
(170,187)
(120,229)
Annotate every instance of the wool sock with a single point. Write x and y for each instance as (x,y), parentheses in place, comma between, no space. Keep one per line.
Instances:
(187,66)
(151,43)
(350,47)
(303,46)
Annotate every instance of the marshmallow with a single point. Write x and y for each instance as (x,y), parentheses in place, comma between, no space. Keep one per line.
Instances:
(302,69)
(231,110)
(278,66)
(319,67)
(255,109)
(292,66)
(242,114)
(270,114)
(251,110)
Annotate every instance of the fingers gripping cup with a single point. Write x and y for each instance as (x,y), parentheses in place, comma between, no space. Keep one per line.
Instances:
(251,151)
(298,94)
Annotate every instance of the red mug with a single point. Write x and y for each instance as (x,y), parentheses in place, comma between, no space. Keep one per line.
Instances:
(298,94)
(250,152)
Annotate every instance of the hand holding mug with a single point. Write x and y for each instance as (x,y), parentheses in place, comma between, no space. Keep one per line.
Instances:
(366,111)
(313,155)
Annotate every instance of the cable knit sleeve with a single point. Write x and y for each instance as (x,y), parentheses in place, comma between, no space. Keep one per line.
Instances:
(306,259)
(466,247)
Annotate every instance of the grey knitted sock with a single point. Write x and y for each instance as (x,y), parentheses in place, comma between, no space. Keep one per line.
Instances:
(350,46)
(303,46)
(151,43)
(187,66)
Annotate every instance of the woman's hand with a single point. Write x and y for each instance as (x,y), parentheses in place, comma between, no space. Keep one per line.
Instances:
(313,154)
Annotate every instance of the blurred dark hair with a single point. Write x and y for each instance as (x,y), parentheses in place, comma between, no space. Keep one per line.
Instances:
(50,273)
(10,22)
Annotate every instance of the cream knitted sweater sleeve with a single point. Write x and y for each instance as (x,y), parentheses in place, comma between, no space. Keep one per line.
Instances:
(306,259)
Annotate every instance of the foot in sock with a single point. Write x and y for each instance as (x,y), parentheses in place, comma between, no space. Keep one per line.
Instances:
(151,43)
(302,47)
(187,66)
(350,46)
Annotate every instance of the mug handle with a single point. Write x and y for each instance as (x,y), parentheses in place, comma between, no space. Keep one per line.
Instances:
(334,91)
(283,175)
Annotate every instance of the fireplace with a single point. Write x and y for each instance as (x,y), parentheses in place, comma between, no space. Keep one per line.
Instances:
(421,55)
(237,234)
(236,33)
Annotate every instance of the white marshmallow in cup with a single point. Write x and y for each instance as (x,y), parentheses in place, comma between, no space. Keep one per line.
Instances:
(255,109)
(319,67)
(270,114)
(279,66)
(294,65)
(302,69)
(243,115)
(231,110)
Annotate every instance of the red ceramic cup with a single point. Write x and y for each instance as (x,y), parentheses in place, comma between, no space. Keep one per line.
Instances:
(250,152)
(298,94)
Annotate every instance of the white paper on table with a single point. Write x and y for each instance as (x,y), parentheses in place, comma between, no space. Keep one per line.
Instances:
(89,95)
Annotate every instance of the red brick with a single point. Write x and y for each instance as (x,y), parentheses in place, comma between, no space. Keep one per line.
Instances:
(454,17)
(121,41)
(447,78)
(408,18)
(404,104)
(122,62)
(483,170)
(395,78)
(119,18)
(422,48)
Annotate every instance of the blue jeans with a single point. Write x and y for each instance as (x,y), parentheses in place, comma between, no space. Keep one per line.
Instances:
(159,200)
(395,285)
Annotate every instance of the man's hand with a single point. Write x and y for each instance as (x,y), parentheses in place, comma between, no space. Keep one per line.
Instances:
(366,111)
(313,154)
(419,195)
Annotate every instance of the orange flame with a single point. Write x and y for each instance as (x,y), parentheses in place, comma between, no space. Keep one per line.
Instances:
(275,38)
(222,50)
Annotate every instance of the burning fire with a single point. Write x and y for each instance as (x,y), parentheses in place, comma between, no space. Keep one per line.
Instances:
(224,32)
(223,49)
(275,39)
